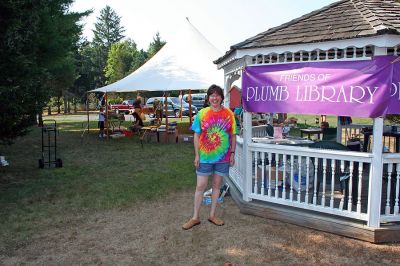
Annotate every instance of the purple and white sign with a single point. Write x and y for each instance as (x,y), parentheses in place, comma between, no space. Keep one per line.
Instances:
(394,106)
(345,88)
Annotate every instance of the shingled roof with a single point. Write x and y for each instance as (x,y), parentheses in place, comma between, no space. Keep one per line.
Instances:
(345,19)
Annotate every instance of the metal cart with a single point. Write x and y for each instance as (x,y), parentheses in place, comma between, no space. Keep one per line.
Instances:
(49,145)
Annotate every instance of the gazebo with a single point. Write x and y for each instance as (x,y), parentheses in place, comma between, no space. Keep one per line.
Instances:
(340,60)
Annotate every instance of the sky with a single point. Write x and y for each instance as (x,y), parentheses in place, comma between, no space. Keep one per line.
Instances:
(222,22)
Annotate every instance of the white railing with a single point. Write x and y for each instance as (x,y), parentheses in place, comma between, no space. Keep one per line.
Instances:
(275,178)
(236,172)
(390,188)
(309,178)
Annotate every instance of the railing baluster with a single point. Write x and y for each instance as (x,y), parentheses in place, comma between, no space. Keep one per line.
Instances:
(284,177)
(323,182)
(307,178)
(315,181)
(255,189)
(396,205)
(360,173)
(291,177)
(299,180)
(276,174)
(269,173)
(262,173)
(390,169)
(332,183)
(342,198)
(350,199)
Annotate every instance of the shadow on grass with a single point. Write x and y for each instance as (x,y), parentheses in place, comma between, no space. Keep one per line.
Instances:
(97,174)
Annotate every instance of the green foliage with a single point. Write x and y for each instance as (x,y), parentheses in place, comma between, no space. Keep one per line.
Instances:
(140,58)
(37,40)
(107,28)
(120,60)
(155,45)
(107,32)
(394,119)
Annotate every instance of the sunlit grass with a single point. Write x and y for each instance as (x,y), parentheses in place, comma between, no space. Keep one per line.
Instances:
(97,174)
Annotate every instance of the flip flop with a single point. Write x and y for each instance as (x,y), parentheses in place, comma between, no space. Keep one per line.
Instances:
(189,224)
(216,221)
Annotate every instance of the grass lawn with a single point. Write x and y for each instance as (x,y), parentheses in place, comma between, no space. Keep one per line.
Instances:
(114,203)
(98,174)
(309,120)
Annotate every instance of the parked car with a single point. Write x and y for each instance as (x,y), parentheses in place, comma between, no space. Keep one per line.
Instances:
(197,99)
(125,107)
(174,106)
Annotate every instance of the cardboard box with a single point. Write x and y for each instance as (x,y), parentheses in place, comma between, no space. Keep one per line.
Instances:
(273,176)
(171,137)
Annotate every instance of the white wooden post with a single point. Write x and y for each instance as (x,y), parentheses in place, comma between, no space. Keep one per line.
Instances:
(339,131)
(375,179)
(247,156)
(226,90)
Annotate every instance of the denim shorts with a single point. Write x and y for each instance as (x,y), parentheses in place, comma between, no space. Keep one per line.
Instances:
(207,169)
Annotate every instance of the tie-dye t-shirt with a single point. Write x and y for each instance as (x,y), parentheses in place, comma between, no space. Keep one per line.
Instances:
(215,131)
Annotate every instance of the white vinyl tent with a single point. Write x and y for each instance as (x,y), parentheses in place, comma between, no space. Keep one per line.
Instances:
(184,63)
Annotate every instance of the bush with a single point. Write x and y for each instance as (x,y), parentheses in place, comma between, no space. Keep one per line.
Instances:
(394,119)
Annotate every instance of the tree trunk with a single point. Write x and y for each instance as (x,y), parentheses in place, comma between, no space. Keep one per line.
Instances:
(40,119)
(66,109)
(58,104)
(49,110)
(75,102)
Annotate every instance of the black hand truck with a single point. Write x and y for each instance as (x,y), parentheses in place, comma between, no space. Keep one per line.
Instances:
(49,145)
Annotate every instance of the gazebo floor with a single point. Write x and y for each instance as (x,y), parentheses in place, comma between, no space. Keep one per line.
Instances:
(315,220)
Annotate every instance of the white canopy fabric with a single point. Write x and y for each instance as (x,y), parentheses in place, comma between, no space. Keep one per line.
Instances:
(185,62)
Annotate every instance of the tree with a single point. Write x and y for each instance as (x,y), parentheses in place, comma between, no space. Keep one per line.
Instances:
(37,39)
(120,60)
(107,31)
(155,45)
(139,60)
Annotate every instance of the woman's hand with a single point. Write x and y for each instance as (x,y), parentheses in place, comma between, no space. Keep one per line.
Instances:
(196,161)
(232,159)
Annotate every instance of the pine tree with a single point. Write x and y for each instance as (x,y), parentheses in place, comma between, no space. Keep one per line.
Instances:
(155,45)
(107,31)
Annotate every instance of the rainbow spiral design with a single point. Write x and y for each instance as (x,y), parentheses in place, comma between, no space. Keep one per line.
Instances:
(216,129)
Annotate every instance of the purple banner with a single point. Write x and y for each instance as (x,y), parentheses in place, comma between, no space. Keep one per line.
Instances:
(394,106)
(343,88)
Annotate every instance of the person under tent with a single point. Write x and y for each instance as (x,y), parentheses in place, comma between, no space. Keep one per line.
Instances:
(137,124)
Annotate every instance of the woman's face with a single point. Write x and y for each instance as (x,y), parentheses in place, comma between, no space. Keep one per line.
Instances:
(215,99)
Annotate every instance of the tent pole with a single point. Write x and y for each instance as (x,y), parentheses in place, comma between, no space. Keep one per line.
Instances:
(106,96)
(87,111)
(180,111)
(190,107)
(166,117)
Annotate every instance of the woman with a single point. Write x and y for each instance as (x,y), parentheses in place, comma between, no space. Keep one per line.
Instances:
(214,146)
(138,124)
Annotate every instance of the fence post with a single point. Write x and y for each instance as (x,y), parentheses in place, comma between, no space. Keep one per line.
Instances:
(375,178)
(247,156)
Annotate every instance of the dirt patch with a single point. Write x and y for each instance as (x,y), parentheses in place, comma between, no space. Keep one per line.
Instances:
(150,233)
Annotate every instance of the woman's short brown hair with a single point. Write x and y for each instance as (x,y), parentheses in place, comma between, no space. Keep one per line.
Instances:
(215,89)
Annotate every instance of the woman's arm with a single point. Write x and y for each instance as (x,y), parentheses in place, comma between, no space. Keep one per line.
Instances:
(196,150)
(233,150)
